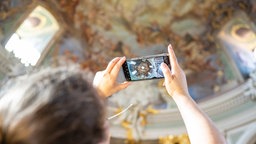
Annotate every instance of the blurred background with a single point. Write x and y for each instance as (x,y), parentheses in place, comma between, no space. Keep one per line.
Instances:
(214,41)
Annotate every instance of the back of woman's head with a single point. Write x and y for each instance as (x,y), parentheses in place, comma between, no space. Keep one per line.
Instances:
(53,106)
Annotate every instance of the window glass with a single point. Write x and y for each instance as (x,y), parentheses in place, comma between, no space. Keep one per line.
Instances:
(33,36)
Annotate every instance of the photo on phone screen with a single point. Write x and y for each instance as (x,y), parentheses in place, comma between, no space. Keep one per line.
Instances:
(145,68)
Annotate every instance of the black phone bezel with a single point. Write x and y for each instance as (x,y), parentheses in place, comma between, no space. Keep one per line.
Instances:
(127,73)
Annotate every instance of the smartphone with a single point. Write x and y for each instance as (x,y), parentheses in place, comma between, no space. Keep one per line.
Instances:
(144,68)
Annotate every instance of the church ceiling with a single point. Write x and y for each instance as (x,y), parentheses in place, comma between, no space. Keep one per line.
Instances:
(104,29)
(134,28)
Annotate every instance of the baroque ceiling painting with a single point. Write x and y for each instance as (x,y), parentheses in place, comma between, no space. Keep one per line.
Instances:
(138,28)
(134,28)
(92,32)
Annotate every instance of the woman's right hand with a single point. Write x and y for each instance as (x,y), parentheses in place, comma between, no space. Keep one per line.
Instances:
(175,79)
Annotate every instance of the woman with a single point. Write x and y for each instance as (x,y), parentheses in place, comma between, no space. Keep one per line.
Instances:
(59,106)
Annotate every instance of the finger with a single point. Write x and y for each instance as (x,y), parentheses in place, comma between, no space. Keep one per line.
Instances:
(124,85)
(166,72)
(114,72)
(173,59)
(111,64)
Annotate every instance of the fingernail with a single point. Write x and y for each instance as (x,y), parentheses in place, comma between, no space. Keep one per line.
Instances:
(162,66)
(170,46)
(114,59)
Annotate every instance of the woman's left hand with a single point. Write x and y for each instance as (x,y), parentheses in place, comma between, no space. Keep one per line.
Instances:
(106,81)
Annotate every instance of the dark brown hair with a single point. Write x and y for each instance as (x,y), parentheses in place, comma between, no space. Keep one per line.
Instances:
(53,106)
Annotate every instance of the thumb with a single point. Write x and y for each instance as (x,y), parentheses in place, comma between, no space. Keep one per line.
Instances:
(166,72)
(123,85)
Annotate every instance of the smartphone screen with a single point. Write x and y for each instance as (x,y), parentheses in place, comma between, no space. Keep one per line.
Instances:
(145,68)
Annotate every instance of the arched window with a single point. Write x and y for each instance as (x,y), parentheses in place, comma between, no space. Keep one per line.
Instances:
(33,36)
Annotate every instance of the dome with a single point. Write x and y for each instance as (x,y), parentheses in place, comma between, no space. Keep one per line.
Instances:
(214,42)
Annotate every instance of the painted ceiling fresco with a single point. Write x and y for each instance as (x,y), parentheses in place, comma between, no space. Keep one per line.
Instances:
(136,28)
(95,31)
(111,28)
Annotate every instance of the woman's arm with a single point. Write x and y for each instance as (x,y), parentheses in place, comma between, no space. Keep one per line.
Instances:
(200,128)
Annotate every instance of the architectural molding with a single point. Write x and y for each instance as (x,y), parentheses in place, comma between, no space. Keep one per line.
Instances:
(228,110)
